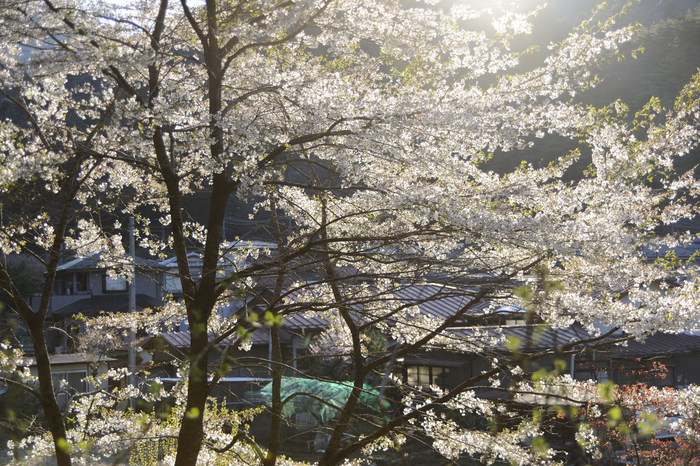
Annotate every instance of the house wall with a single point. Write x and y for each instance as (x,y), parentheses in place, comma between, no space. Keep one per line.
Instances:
(686,369)
(445,369)
(100,368)
(681,369)
(245,364)
(147,284)
(253,363)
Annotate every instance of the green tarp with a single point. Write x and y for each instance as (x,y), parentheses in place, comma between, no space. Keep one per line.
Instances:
(333,394)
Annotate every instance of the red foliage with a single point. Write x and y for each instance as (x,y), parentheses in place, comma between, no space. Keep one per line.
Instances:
(633,423)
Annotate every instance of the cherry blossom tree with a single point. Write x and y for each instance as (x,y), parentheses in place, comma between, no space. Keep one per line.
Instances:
(366,124)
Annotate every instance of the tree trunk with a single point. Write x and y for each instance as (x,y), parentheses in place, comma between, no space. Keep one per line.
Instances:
(54,417)
(192,431)
(276,423)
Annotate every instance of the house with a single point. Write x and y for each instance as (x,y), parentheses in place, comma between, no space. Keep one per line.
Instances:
(73,369)
(84,286)
(501,333)
(301,329)
(158,352)
(435,366)
(235,255)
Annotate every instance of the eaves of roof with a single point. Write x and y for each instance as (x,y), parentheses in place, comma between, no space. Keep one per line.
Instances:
(94,304)
(72,358)
(181,340)
(92,261)
(659,344)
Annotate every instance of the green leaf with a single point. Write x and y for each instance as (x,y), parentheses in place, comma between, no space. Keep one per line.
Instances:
(513,343)
(540,445)
(560,365)
(63,445)
(524,292)
(540,374)
(605,390)
(615,417)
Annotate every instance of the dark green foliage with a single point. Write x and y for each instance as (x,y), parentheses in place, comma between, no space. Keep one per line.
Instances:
(669,54)
(658,62)
(21,414)
(28,281)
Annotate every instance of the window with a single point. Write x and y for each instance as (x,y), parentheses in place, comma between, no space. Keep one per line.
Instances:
(425,376)
(71,283)
(81,283)
(26,343)
(114,284)
(76,384)
(74,379)
(62,285)
(172,284)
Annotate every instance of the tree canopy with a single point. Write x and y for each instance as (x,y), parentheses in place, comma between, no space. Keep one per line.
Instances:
(361,129)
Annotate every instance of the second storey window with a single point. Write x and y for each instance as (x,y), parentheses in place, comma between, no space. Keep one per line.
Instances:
(114,284)
(71,283)
(172,284)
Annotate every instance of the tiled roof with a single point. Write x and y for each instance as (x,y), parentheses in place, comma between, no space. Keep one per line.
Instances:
(442,301)
(659,344)
(92,262)
(301,321)
(181,340)
(432,299)
(195,258)
(539,337)
(439,300)
(71,358)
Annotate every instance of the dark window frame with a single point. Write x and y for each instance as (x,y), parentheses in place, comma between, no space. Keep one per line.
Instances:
(67,283)
(436,375)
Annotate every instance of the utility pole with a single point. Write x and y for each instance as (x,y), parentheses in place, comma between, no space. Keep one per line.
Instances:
(132,308)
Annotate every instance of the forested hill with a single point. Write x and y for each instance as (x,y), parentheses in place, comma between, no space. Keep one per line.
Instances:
(668,54)
(671,55)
